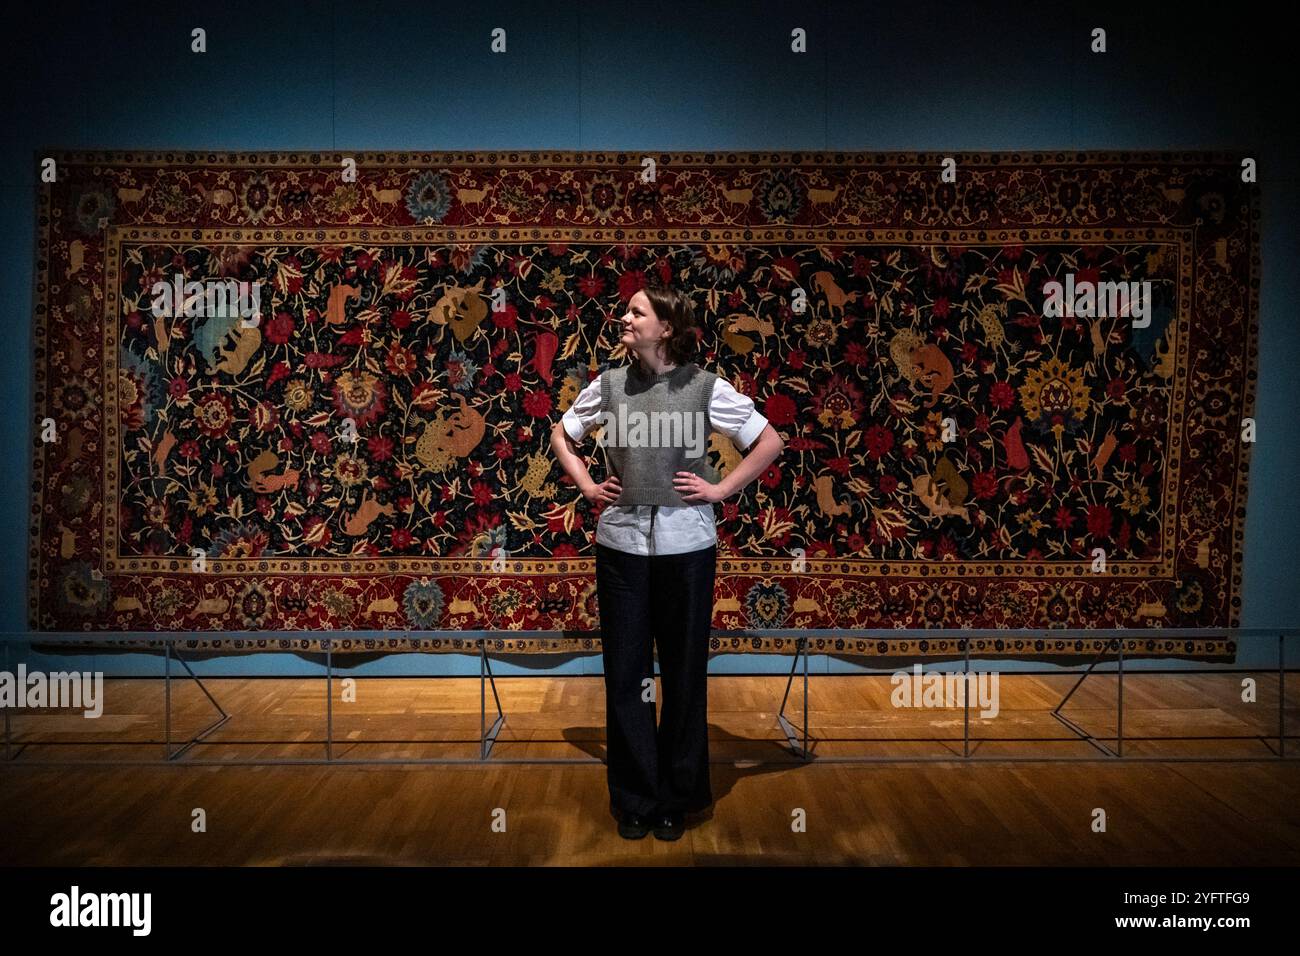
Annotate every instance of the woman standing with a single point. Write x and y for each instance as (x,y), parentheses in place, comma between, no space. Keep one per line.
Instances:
(656,548)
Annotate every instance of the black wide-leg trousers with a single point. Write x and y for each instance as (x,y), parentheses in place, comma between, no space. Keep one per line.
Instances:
(664,600)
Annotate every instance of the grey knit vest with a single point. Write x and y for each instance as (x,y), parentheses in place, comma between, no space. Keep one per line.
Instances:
(655,426)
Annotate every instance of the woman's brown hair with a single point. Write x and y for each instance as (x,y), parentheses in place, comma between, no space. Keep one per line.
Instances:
(673,306)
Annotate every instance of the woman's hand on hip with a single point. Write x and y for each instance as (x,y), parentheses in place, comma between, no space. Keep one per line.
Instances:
(605,492)
(696,490)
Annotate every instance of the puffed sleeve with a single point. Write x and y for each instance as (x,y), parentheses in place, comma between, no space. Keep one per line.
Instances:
(734,415)
(584,414)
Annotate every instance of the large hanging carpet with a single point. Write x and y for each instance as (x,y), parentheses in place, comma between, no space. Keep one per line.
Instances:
(371,451)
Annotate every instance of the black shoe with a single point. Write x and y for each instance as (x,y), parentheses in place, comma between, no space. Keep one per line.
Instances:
(633,826)
(669,826)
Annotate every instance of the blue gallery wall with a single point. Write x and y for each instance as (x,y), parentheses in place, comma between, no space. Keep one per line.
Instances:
(358,75)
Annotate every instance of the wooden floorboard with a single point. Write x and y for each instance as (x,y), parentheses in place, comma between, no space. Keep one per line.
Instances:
(990,812)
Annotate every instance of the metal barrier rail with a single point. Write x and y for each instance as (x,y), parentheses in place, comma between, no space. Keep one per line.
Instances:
(1113,648)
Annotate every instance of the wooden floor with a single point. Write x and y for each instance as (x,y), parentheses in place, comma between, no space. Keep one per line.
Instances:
(993,811)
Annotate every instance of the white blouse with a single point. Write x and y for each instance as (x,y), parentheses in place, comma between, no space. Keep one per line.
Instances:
(654,529)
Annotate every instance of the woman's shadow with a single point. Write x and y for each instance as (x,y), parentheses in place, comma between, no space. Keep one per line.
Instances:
(732,758)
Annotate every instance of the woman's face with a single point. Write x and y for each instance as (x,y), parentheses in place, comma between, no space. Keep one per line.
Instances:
(642,330)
